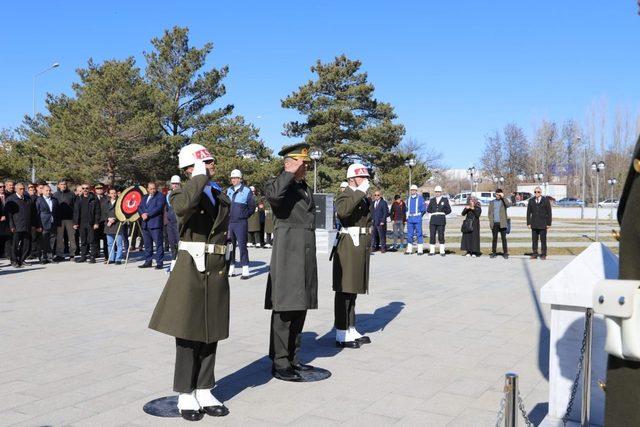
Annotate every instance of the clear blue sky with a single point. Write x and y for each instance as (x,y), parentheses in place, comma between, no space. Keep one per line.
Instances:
(454,70)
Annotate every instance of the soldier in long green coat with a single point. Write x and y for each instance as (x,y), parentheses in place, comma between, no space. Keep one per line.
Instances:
(194,305)
(351,257)
(622,403)
(292,286)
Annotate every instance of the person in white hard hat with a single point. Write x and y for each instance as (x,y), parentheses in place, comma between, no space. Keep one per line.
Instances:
(194,305)
(351,255)
(439,208)
(415,211)
(242,206)
(172,221)
(343,186)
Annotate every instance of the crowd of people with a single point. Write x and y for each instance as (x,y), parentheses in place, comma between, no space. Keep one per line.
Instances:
(43,223)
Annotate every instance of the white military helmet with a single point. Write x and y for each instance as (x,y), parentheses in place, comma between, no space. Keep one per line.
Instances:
(356,170)
(437,189)
(175,179)
(192,152)
(344,184)
(413,187)
(235,174)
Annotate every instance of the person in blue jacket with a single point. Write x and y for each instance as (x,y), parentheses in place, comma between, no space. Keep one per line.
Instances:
(151,212)
(242,207)
(416,209)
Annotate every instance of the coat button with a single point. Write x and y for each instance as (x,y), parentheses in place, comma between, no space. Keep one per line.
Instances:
(208,273)
(221,273)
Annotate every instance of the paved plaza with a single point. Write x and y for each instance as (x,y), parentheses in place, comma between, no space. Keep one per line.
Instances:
(76,349)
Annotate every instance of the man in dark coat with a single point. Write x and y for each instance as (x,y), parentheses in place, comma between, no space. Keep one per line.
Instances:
(172,220)
(194,305)
(5,234)
(86,217)
(379,212)
(66,201)
(151,212)
(100,236)
(292,287)
(21,213)
(539,221)
(439,208)
(351,259)
(49,218)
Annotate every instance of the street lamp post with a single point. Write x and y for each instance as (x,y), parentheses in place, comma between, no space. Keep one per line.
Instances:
(315,156)
(539,177)
(471,172)
(612,182)
(410,164)
(597,168)
(498,179)
(35,77)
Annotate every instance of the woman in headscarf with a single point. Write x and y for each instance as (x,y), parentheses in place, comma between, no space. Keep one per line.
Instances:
(471,227)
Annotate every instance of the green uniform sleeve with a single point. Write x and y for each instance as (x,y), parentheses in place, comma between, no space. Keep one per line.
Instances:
(347,201)
(185,201)
(276,189)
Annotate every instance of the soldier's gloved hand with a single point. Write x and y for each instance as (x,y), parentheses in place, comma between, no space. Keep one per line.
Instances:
(364,187)
(199,168)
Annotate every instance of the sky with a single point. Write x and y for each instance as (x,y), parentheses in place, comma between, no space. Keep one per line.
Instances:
(454,70)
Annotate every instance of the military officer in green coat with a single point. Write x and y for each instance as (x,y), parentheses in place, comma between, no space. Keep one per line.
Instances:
(292,286)
(194,305)
(351,258)
(622,395)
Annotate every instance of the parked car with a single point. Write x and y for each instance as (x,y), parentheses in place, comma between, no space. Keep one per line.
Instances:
(609,203)
(570,202)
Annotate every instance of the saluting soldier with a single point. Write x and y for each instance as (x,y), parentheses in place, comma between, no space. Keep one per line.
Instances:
(194,305)
(622,405)
(292,287)
(351,259)
(439,208)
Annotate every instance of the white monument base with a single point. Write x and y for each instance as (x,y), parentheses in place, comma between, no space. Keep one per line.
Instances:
(570,293)
(324,240)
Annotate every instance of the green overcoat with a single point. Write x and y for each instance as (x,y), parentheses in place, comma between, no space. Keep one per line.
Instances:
(195,305)
(293,276)
(350,262)
(268,218)
(622,395)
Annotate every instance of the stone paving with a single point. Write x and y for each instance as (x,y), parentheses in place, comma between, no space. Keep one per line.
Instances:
(76,349)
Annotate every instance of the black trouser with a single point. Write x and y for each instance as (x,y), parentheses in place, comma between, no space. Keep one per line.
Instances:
(284,345)
(542,232)
(195,363)
(269,237)
(6,242)
(436,229)
(87,241)
(255,237)
(99,236)
(344,307)
(36,237)
(379,237)
(495,229)
(66,226)
(47,243)
(21,246)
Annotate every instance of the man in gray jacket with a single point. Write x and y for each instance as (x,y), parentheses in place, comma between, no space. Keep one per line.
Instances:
(499,221)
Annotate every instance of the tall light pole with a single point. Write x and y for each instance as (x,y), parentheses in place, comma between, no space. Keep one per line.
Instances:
(471,172)
(498,179)
(35,77)
(612,182)
(539,177)
(315,156)
(584,178)
(597,168)
(410,164)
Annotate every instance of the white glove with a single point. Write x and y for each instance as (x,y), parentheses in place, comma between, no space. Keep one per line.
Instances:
(199,168)
(364,187)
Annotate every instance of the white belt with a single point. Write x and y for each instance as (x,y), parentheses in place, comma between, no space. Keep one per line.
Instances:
(355,233)
(415,214)
(438,213)
(198,249)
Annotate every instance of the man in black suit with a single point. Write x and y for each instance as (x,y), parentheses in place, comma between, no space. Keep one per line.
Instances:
(539,221)
(86,217)
(48,214)
(379,214)
(21,212)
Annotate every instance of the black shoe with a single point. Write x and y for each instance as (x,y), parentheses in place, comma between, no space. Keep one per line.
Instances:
(81,259)
(145,265)
(492,256)
(15,265)
(505,256)
(216,411)
(58,258)
(363,340)
(348,344)
(118,262)
(159,267)
(191,415)
(44,261)
(19,265)
(110,262)
(288,374)
(443,254)
(92,260)
(302,367)
(430,254)
(244,277)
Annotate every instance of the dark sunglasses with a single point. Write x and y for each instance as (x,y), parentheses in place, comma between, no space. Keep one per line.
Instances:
(85,188)
(538,192)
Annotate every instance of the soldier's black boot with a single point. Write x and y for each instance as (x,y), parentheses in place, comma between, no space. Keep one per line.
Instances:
(288,374)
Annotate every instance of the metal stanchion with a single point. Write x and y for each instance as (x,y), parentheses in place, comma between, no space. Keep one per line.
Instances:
(586,370)
(511,395)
